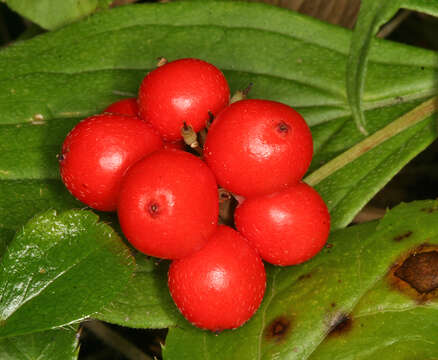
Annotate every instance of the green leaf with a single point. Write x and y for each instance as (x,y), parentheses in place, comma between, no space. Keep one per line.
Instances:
(51,14)
(372,15)
(60,269)
(47,345)
(350,180)
(320,305)
(146,301)
(21,199)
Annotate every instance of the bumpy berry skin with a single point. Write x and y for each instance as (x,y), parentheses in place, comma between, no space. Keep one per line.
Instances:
(168,204)
(184,90)
(222,285)
(287,227)
(127,107)
(98,151)
(257,147)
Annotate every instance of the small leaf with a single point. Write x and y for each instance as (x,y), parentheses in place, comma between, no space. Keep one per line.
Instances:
(51,14)
(333,293)
(47,345)
(60,269)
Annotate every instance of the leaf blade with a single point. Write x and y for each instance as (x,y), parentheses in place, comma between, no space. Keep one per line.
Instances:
(49,345)
(51,14)
(146,301)
(60,269)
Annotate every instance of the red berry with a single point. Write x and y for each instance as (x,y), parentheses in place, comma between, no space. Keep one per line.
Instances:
(98,151)
(178,145)
(287,227)
(257,147)
(127,107)
(168,204)
(222,285)
(184,90)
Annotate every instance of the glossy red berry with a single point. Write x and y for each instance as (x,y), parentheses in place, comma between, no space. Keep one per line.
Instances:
(287,227)
(123,107)
(258,146)
(98,151)
(184,90)
(129,107)
(178,145)
(222,285)
(168,204)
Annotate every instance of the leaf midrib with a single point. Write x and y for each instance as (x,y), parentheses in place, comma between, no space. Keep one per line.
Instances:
(300,18)
(304,81)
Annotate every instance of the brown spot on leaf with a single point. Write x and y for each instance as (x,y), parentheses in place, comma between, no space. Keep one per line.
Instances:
(333,304)
(328,246)
(429,210)
(305,276)
(420,271)
(415,273)
(342,324)
(278,329)
(402,236)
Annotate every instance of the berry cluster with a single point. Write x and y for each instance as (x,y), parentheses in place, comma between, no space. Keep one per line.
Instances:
(131,159)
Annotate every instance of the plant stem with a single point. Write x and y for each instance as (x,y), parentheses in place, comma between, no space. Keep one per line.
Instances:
(387,29)
(369,213)
(117,342)
(409,119)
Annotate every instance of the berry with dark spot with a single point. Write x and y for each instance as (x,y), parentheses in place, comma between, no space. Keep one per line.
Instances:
(257,147)
(168,204)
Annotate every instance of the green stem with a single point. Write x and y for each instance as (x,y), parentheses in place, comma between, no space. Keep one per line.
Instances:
(409,119)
